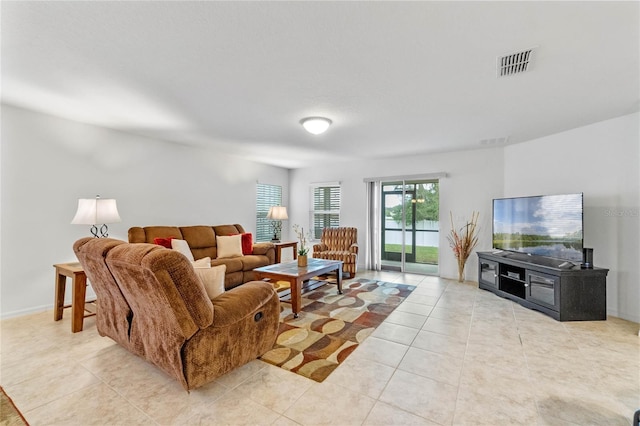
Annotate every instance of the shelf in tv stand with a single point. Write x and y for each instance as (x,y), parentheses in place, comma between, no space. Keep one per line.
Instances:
(572,294)
(517,280)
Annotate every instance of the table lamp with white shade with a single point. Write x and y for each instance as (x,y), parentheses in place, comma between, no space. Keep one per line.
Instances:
(97,211)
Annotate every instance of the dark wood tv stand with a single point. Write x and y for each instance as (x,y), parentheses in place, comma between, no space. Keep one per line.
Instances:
(566,294)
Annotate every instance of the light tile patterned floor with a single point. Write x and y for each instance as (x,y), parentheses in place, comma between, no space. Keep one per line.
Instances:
(450,354)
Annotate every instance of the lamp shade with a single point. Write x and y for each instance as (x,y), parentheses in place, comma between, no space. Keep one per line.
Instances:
(277,213)
(95,211)
(315,125)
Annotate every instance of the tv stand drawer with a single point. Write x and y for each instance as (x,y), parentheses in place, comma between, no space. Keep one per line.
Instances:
(543,289)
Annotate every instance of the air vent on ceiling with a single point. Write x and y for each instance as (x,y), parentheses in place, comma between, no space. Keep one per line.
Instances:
(515,63)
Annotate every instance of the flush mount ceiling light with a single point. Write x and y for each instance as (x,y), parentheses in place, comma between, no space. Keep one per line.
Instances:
(315,125)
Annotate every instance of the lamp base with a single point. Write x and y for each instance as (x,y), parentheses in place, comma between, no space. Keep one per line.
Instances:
(104,231)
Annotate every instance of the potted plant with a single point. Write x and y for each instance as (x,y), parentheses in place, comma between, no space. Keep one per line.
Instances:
(303,250)
(463,241)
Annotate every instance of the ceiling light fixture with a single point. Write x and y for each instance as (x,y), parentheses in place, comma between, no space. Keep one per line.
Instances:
(315,125)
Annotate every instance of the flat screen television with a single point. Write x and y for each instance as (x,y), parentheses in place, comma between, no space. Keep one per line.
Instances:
(546,225)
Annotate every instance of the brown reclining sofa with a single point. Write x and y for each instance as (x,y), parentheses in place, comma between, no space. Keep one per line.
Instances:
(202,242)
(150,300)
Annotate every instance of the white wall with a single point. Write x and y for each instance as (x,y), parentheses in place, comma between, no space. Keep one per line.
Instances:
(474,179)
(602,161)
(48,163)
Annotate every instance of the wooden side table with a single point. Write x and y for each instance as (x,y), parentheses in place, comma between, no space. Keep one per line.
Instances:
(79,292)
(281,245)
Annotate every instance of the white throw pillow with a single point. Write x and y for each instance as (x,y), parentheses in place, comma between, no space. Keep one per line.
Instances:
(229,246)
(212,279)
(183,247)
(205,262)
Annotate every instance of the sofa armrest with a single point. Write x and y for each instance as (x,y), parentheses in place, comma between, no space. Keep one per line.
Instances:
(266,249)
(262,248)
(234,305)
(320,247)
(353,248)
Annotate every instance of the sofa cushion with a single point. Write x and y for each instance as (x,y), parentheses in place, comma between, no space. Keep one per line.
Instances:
(252,261)
(247,243)
(199,236)
(344,256)
(205,262)
(233,264)
(213,279)
(228,229)
(164,242)
(181,246)
(147,234)
(229,246)
(201,239)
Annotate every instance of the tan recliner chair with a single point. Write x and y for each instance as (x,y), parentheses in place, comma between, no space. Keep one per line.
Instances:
(172,323)
(339,244)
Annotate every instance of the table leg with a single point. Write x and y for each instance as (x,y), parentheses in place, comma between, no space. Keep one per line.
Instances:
(296,289)
(339,274)
(79,294)
(61,282)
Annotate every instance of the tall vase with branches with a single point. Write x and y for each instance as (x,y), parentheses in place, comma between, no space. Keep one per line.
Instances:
(463,241)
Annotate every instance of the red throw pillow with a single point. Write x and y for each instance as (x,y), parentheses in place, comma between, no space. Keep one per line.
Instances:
(164,242)
(247,243)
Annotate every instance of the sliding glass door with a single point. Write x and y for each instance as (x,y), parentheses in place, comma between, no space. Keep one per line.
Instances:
(410,226)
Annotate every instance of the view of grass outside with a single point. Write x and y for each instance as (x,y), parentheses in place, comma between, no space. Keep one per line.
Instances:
(424,254)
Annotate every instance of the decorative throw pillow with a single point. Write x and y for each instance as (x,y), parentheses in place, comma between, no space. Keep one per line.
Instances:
(164,242)
(205,262)
(247,243)
(213,279)
(183,247)
(229,246)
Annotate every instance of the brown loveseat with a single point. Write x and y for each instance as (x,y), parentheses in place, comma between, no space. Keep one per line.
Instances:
(202,242)
(151,301)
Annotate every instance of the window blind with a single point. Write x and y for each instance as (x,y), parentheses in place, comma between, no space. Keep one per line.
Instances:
(266,196)
(325,209)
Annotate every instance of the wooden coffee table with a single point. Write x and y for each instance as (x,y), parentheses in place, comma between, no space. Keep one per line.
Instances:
(298,275)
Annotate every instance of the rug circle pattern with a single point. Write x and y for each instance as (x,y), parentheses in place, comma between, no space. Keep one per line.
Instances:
(330,326)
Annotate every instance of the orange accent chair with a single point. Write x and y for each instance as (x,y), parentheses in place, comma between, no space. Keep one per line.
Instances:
(339,244)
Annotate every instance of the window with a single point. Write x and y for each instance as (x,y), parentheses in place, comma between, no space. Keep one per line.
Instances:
(325,208)
(266,196)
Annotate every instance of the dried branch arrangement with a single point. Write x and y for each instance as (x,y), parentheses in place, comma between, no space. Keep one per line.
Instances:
(463,241)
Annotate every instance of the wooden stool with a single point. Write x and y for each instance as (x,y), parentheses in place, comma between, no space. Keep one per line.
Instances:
(79,292)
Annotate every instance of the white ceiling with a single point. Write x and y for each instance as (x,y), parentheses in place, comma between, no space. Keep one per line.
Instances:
(396,78)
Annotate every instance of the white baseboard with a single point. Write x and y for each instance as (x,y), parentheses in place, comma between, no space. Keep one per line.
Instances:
(28,311)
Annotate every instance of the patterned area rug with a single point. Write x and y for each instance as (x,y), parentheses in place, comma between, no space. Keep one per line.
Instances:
(331,325)
(9,414)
